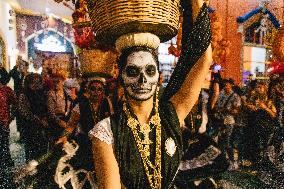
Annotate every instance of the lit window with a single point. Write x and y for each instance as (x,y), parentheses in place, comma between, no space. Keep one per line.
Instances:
(258,59)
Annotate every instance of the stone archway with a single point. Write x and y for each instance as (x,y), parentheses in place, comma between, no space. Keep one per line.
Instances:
(48,42)
(53,32)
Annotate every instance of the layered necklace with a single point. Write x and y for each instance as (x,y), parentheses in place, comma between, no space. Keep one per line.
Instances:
(153,171)
(95,112)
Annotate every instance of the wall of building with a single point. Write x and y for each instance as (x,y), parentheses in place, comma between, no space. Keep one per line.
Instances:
(30,27)
(230,10)
(9,35)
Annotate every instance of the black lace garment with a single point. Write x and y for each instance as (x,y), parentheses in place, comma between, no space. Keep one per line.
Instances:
(196,39)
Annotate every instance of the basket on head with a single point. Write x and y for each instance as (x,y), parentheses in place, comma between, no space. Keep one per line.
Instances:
(114,18)
(98,61)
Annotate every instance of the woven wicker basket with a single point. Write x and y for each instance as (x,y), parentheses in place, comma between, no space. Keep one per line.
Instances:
(98,61)
(113,18)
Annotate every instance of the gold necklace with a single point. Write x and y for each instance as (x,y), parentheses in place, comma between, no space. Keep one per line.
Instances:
(153,172)
(94,113)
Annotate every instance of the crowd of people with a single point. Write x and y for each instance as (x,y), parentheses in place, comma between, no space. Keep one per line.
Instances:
(83,132)
(246,120)
(50,110)
(245,123)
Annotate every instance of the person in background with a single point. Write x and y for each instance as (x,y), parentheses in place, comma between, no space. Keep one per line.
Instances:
(93,106)
(8,101)
(71,90)
(261,121)
(272,163)
(4,74)
(280,94)
(241,128)
(47,80)
(33,110)
(70,154)
(202,146)
(18,74)
(276,94)
(82,159)
(214,87)
(213,92)
(61,114)
(227,107)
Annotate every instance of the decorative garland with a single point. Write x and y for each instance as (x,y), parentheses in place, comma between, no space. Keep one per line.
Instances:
(219,44)
(84,33)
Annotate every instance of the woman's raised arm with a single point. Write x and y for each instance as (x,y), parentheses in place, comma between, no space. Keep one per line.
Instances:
(187,79)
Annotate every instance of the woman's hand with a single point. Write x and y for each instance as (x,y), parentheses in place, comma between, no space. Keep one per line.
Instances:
(202,129)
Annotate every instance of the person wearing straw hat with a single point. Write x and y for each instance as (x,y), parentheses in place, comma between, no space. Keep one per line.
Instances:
(141,146)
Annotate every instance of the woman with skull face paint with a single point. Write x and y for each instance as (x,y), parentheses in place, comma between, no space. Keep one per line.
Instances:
(141,146)
(93,106)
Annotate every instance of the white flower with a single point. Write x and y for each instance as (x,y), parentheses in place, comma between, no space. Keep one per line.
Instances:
(170,147)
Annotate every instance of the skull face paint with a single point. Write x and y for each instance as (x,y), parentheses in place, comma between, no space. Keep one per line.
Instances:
(140,75)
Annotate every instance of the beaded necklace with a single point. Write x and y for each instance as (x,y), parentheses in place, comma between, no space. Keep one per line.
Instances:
(153,171)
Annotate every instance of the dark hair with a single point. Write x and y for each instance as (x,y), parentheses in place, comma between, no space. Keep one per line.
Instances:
(261,83)
(126,52)
(25,63)
(59,75)
(4,76)
(229,81)
(96,81)
(36,99)
(30,78)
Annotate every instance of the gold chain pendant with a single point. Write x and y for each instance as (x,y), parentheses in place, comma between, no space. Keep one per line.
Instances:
(153,172)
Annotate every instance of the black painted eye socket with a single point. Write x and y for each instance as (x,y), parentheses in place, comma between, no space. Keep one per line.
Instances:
(151,70)
(132,71)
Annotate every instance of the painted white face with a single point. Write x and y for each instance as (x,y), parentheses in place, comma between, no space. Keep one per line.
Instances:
(140,76)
